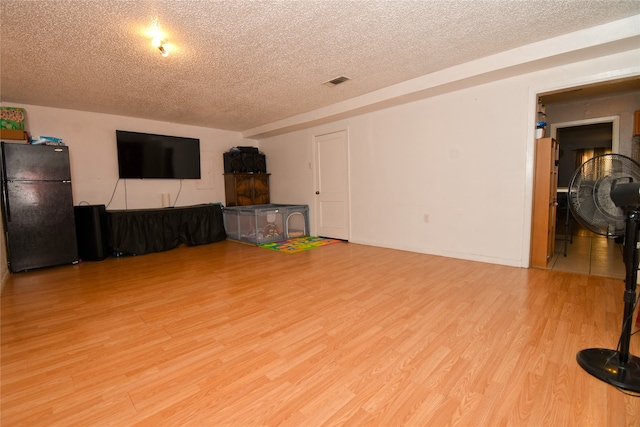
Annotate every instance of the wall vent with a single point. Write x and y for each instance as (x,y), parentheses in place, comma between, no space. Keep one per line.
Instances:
(336,81)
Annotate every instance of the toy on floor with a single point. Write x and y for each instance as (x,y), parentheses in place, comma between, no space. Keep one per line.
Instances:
(271,229)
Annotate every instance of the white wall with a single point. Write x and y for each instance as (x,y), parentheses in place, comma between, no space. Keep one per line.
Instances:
(465,158)
(91,138)
(94,164)
(622,105)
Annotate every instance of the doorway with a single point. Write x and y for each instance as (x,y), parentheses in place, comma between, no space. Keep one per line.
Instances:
(332,185)
(577,248)
(580,140)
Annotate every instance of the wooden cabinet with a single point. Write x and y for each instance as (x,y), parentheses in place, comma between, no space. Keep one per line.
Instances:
(243,189)
(545,187)
(636,123)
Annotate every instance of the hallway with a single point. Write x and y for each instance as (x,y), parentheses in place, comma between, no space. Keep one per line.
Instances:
(587,253)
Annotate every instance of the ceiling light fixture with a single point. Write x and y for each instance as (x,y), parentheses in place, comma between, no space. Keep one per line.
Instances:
(161,45)
(158,39)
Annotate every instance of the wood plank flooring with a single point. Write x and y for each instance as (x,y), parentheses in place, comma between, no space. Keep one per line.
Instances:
(229,334)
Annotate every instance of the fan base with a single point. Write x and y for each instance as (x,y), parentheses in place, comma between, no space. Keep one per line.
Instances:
(605,365)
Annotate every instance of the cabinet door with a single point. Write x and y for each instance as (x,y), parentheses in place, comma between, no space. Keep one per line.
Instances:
(244,190)
(260,189)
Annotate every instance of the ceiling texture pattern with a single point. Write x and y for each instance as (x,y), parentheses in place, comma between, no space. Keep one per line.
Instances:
(238,64)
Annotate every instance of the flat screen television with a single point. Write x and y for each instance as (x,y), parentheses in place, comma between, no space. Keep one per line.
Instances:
(143,155)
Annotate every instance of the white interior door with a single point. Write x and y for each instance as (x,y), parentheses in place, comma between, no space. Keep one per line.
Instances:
(332,191)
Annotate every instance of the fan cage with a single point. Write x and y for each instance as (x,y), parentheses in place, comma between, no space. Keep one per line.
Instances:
(589,192)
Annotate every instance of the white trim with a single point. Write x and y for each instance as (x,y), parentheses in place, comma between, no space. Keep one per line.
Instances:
(615,131)
(607,76)
(529,178)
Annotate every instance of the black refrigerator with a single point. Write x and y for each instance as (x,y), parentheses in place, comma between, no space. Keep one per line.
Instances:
(37,206)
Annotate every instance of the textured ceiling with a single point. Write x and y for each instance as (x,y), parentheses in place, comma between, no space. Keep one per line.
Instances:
(239,64)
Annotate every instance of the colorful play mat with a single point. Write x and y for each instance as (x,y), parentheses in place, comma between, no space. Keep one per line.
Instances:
(299,244)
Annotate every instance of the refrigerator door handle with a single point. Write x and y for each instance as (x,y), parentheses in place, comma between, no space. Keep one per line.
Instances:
(5,200)
(5,188)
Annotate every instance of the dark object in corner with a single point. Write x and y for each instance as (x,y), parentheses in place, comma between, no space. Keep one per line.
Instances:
(91,232)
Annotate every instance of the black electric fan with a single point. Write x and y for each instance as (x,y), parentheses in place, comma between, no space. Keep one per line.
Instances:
(604,196)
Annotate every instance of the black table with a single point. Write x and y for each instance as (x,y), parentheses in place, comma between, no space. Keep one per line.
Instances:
(141,231)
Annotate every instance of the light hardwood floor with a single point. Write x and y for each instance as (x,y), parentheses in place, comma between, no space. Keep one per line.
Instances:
(231,334)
